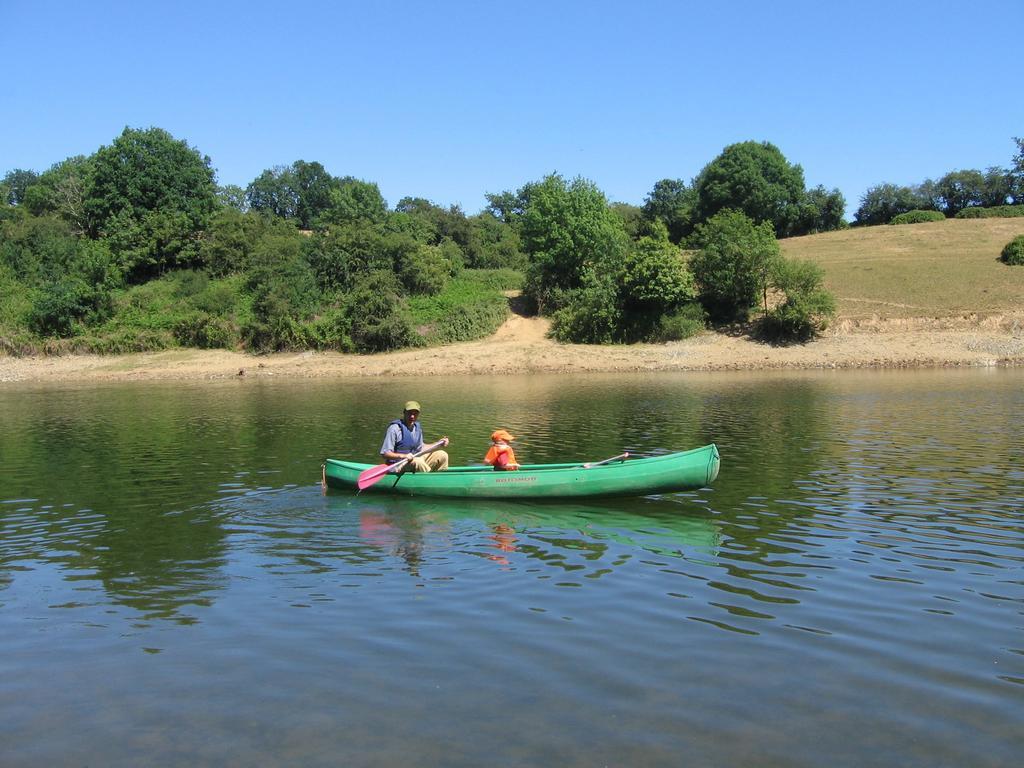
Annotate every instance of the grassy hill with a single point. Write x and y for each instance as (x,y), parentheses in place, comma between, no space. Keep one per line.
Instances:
(937,269)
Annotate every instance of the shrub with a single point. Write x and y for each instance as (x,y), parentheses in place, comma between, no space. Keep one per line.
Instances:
(1013,253)
(59,305)
(200,329)
(685,322)
(807,307)
(590,315)
(996,211)
(379,314)
(733,263)
(918,217)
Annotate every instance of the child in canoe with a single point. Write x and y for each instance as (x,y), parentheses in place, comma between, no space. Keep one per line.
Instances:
(500,455)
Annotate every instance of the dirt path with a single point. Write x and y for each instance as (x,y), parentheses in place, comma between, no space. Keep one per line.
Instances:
(521,346)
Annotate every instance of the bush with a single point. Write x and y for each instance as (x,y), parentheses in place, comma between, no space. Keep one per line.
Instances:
(1013,253)
(682,324)
(807,307)
(918,217)
(590,315)
(379,315)
(996,211)
(59,305)
(200,329)
(466,309)
(733,263)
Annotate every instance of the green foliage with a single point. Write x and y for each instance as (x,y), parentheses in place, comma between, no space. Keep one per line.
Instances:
(733,263)
(672,202)
(1013,253)
(423,269)
(492,244)
(590,314)
(379,315)
(145,172)
(960,190)
(881,203)
(687,321)
(494,279)
(821,211)
(62,190)
(653,282)
(918,217)
(205,331)
(355,201)
(999,211)
(15,185)
(58,306)
(567,230)
(807,306)
(469,307)
(37,248)
(755,179)
(284,293)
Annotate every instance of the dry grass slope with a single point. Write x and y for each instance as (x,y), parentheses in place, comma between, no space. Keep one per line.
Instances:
(937,269)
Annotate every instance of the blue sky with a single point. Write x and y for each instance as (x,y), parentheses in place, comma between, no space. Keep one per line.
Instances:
(451,100)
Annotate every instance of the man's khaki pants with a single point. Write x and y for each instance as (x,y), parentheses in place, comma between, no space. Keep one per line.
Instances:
(435,461)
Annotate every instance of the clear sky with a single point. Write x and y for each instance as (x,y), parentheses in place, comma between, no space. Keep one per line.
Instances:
(451,100)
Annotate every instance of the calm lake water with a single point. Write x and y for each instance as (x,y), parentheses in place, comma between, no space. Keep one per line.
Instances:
(175,589)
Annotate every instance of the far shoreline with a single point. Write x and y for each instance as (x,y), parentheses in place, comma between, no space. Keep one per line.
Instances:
(521,347)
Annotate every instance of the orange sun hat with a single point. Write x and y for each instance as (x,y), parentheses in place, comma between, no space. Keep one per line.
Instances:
(502,435)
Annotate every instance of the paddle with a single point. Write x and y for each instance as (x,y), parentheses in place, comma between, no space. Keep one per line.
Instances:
(620,457)
(370,476)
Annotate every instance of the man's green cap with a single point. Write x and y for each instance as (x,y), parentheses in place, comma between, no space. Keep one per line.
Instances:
(412,405)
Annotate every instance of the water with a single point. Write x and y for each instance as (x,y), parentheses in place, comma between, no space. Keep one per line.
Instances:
(175,589)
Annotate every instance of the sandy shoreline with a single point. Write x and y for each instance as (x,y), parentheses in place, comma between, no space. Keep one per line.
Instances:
(520,346)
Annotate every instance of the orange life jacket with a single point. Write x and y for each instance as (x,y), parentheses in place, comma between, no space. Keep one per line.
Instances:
(495,451)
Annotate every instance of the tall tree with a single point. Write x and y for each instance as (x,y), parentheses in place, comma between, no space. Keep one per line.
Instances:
(754,178)
(146,171)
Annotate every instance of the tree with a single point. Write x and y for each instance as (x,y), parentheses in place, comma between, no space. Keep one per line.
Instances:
(997,188)
(353,200)
(654,282)
(567,230)
(880,203)
(733,265)
(273,192)
(313,191)
(672,202)
(821,211)
(756,179)
(62,189)
(1017,173)
(961,189)
(16,182)
(146,171)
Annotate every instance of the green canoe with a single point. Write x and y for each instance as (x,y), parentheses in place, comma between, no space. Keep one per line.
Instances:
(631,477)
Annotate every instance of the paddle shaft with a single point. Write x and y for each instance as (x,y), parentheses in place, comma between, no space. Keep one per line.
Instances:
(620,457)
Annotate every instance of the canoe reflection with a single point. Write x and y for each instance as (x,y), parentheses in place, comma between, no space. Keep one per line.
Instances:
(504,532)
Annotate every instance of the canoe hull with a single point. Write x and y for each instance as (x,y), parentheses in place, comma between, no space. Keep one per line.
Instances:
(673,472)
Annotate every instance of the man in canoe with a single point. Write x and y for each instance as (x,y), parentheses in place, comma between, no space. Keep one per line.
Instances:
(404,439)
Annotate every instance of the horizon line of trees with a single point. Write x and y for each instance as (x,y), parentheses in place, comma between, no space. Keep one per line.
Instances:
(950,195)
(304,258)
